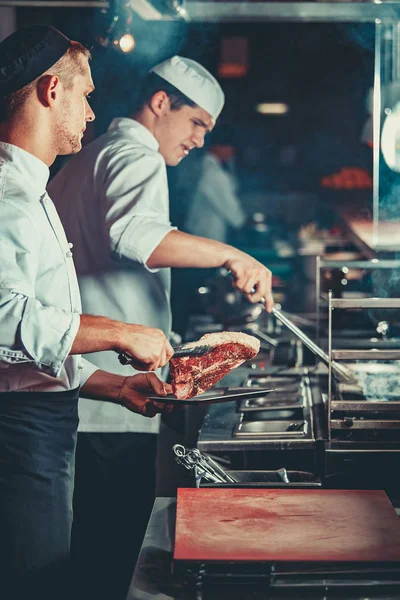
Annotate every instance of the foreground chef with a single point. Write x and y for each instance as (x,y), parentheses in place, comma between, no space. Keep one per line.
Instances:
(113,201)
(44,84)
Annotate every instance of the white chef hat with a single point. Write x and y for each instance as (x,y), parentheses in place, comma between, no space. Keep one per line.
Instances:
(193,80)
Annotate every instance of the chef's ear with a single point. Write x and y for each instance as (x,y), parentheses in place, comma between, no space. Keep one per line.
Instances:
(48,89)
(159,102)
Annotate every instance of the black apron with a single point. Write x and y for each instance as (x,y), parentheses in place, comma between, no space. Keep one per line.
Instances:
(37,452)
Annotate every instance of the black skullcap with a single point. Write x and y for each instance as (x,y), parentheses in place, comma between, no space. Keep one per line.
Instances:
(27,53)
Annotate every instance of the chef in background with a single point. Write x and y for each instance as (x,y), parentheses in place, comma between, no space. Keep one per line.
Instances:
(215,208)
(113,200)
(45,82)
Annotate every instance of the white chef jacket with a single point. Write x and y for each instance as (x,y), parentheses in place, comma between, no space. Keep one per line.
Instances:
(39,295)
(215,205)
(113,202)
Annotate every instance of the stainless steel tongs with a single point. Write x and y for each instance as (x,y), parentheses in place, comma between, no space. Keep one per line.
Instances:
(342,373)
(202,465)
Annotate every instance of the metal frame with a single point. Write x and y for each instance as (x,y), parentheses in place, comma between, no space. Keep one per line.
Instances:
(376,131)
(318,11)
(56,3)
(367,265)
(355,354)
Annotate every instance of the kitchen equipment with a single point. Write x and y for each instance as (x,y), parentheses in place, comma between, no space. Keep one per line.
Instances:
(203,466)
(342,372)
(283,475)
(179,351)
(213,396)
(368,413)
(277,429)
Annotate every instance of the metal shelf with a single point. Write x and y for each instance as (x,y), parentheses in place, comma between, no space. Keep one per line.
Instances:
(365,303)
(365,354)
(366,405)
(361,424)
(369,265)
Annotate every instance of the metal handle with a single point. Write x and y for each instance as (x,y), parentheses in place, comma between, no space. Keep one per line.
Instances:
(124,358)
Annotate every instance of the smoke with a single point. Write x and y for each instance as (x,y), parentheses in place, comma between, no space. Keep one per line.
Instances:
(381,387)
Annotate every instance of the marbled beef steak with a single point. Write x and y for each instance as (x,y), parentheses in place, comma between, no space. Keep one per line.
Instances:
(193,375)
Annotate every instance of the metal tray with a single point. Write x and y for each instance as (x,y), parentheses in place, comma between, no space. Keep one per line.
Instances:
(294,414)
(281,383)
(273,403)
(267,429)
(213,396)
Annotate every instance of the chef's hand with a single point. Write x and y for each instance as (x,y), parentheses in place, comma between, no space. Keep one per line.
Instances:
(148,347)
(134,390)
(252,278)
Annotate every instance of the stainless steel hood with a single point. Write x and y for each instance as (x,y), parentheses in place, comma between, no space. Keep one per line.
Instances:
(363,11)
(292,11)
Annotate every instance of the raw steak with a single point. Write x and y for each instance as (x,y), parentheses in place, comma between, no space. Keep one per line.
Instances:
(193,375)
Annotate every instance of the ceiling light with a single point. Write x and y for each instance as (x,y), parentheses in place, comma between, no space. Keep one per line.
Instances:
(272,108)
(127,42)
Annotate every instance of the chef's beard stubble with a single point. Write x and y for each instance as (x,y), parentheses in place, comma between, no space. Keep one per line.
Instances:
(68,142)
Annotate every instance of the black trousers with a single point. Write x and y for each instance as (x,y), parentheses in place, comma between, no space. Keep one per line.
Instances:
(113,499)
(37,447)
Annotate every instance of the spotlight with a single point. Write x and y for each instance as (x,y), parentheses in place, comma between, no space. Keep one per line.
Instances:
(118,20)
(127,42)
(272,108)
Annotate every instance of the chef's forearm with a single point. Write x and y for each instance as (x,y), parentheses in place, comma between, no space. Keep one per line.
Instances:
(96,334)
(103,386)
(179,249)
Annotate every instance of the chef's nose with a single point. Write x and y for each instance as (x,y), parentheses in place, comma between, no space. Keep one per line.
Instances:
(89,114)
(198,139)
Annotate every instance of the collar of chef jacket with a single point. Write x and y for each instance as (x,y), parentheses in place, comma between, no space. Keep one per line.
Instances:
(136,131)
(25,167)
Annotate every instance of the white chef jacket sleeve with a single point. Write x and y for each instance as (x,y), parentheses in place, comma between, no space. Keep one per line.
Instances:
(86,370)
(134,192)
(29,331)
(216,186)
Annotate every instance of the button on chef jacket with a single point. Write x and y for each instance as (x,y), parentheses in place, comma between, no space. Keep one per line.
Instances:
(39,296)
(113,202)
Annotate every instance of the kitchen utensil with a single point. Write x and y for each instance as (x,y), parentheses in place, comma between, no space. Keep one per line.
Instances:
(213,396)
(342,373)
(179,351)
(202,465)
(282,474)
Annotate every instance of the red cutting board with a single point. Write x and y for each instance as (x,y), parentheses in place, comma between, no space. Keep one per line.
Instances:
(286,525)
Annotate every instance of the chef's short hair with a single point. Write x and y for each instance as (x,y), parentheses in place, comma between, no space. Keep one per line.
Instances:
(153,84)
(65,68)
